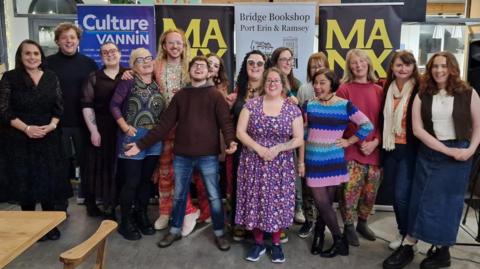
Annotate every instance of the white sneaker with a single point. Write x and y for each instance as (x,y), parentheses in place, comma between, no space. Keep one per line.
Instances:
(394,244)
(189,223)
(398,242)
(299,216)
(162,222)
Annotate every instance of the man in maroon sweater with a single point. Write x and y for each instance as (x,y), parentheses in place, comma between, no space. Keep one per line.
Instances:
(199,112)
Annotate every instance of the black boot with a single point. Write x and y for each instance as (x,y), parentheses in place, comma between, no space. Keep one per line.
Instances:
(127,226)
(351,235)
(317,244)
(142,221)
(399,258)
(439,258)
(340,247)
(93,210)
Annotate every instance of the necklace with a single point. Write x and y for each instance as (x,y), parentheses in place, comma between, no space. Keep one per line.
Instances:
(252,92)
(328,99)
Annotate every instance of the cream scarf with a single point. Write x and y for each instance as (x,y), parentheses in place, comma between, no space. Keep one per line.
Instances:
(393,118)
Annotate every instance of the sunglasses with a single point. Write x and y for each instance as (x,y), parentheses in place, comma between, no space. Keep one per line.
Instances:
(252,63)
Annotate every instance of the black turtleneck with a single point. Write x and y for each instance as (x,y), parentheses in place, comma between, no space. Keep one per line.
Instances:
(72,72)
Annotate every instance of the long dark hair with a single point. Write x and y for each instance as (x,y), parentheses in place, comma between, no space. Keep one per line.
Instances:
(407,58)
(273,63)
(242,78)
(454,84)
(18,55)
(221,78)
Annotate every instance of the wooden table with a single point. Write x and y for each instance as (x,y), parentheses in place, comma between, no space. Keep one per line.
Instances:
(21,229)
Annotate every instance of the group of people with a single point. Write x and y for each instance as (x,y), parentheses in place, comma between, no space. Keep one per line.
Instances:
(287,149)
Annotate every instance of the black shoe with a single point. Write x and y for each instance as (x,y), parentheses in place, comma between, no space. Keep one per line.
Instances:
(168,240)
(439,258)
(351,235)
(317,244)
(222,242)
(127,226)
(306,229)
(110,214)
(54,234)
(94,211)
(142,221)
(400,258)
(365,231)
(339,247)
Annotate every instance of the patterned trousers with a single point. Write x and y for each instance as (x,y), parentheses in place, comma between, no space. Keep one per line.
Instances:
(359,193)
(164,176)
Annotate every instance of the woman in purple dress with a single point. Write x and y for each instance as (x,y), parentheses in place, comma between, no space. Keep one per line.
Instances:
(270,128)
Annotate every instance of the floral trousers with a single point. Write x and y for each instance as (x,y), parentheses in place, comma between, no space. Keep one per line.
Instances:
(357,196)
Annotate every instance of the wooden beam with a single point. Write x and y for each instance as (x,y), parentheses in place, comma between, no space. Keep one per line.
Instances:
(445,8)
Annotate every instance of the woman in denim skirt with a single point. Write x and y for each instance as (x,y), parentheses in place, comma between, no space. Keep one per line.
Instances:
(136,106)
(446,120)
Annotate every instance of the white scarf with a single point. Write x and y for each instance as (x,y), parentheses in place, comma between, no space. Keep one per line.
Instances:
(392,124)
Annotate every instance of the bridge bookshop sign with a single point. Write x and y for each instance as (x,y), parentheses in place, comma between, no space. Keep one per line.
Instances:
(129,27)
(266,27)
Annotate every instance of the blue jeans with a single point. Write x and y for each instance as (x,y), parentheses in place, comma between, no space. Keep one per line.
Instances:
(183,168)
(398,170)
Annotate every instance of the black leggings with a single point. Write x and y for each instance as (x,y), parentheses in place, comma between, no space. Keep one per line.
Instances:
(136,184)
(323,197)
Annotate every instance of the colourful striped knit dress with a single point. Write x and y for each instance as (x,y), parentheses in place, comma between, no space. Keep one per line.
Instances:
(324,160)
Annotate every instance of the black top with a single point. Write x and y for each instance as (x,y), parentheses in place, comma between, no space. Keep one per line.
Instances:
(72,71)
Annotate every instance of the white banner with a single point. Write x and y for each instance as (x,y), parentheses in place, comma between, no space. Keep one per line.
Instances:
(266,27)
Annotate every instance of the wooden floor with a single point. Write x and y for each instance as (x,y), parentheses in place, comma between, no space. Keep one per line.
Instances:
(198,249)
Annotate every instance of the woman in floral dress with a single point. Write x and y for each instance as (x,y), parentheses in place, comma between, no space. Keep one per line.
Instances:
(270,128)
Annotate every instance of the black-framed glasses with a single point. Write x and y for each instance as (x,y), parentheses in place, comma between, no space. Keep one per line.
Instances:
(143,60)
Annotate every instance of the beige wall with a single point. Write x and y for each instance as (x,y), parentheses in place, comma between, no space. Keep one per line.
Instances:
(475,13)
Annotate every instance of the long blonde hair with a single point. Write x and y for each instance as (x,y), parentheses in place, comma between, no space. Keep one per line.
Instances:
(185,57)
(348,75)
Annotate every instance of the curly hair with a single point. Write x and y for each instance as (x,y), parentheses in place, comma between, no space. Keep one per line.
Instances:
(185,57)
(455,84)
(242,77)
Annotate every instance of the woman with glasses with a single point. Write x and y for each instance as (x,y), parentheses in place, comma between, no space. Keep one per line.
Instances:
(247,86)
(270,128)
(99,166)
(363,158)
(282,58)
(136,106)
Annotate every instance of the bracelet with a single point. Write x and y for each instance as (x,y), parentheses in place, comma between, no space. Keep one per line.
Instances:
(54,125)
(127,129)
(301,164)
(26,128)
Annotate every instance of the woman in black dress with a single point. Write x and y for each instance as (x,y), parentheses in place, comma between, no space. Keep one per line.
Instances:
(99,166)
(31,106)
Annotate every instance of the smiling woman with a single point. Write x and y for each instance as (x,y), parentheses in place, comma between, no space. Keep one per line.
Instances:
(31,106)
